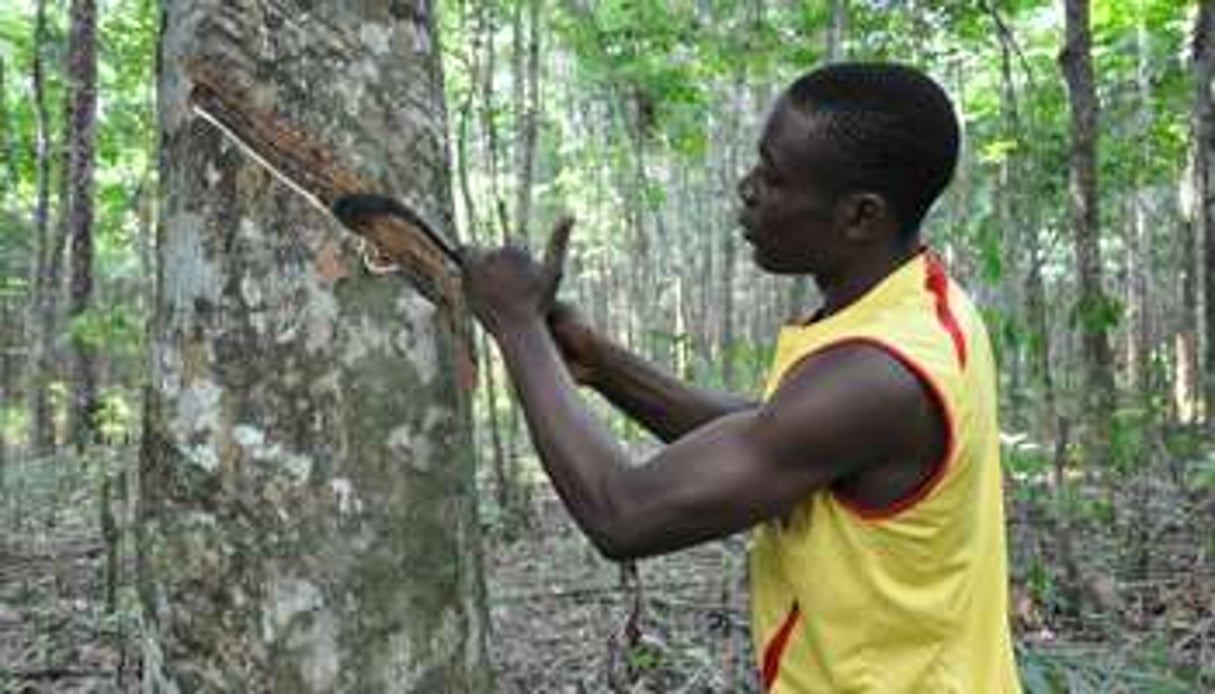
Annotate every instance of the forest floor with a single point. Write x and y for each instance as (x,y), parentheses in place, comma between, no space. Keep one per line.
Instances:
(56,634)
(567,621)
(561,613)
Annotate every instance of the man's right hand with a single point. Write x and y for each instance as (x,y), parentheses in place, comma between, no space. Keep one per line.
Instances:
(648,394)
(577,341)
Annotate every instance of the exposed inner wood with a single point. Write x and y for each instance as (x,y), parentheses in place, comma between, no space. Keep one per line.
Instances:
(308,166)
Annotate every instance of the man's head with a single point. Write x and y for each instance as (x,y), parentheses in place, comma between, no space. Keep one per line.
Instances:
(853,155)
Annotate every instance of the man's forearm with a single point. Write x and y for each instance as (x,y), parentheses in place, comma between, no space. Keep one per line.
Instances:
(657,400)
(577,451)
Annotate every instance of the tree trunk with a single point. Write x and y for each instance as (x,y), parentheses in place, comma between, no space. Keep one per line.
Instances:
(528,115)
(726,347)
(82,78)
(1204,188)
(502,491)
(1138,249)
(1197,212)
(837,34)
(42,286)
(1013,227)
(1092,307)
(9,177)
(489,121)
(307,516)
(6,378)
(527,74)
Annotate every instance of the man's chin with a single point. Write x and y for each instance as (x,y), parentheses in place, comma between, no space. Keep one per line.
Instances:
(773,265)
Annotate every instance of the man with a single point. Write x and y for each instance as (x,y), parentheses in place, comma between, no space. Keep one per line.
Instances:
(870,472)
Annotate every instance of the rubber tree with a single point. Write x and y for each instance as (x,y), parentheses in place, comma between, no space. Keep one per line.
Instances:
(82,135)
(1092,306)
(307,517)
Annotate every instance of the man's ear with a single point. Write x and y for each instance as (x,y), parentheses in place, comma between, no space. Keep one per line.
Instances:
(864,217)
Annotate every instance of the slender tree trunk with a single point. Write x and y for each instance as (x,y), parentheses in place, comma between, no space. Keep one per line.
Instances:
(1036,310)
(1204,128)
(1198,213)
(1013,228)
(1092,305)
(1138,266)
(9,177)
(502,492)
(307,511)
(725,290)
(527,74)
(499,215)
(838,34)
(528,105)
(82,76)
(42,285)
(493,147)
(7,386)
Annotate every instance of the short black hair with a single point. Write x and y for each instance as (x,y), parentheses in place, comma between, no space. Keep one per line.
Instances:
(892,128)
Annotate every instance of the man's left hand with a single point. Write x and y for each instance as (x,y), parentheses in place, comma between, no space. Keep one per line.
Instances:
(506,288)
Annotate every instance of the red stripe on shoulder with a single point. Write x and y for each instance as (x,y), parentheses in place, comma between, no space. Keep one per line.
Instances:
(930,482)
(776,646)
(937,282)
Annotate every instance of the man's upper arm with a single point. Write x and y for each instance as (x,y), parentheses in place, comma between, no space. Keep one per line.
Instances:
(838,413)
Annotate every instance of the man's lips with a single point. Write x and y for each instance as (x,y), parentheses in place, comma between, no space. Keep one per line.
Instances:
(744,221)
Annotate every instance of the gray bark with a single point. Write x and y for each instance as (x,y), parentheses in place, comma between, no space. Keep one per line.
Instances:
(1204,188)
(838,32)
(307,517)
(527,114)
(1076,62)
(486,355)
(1139,345)
(42,285)
(6,376)
(727,349)
(9,177)
(1198,214)
(1013,227)
(82,77)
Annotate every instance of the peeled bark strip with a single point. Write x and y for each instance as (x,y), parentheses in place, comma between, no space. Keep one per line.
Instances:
(311,169)
(307,509)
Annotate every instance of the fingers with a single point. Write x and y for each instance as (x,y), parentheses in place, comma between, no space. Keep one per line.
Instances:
(477,261)
(555,255)
(466,254)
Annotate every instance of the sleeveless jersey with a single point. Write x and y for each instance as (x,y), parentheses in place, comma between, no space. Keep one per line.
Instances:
(911,597)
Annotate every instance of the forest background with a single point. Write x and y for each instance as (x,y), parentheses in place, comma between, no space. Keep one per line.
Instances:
(1082,218)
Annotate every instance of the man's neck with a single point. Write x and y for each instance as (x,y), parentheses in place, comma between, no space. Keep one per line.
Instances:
(843,288)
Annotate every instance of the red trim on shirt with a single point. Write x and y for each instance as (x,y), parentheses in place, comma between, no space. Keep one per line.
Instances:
(937,282)
(777,644)
(930,482)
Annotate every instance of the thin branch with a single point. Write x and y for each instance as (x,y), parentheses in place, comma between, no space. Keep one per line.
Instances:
(1009,40)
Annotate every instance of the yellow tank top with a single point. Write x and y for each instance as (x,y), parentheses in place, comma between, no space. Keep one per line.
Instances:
(912,597)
